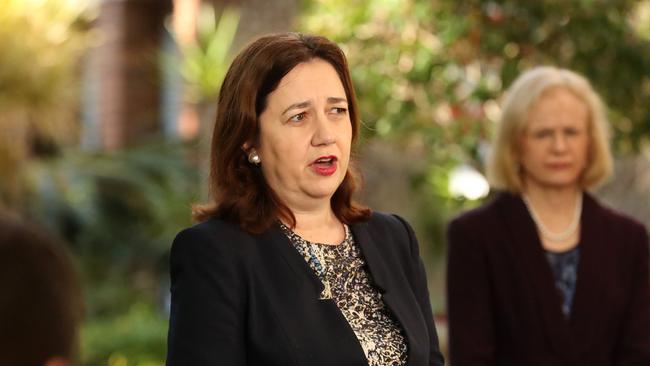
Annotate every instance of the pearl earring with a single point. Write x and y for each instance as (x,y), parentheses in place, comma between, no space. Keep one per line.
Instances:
(254,158)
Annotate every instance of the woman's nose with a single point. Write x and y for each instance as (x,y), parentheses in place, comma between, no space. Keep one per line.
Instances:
(559,142)
(324,133)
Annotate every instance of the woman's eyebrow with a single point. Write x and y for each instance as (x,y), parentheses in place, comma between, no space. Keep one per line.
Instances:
(298,105)
(334,100)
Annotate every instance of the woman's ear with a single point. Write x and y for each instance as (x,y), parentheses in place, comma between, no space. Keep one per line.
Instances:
(247,146)
(251,153)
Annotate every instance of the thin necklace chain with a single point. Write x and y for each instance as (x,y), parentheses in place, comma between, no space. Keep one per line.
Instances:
(548,234)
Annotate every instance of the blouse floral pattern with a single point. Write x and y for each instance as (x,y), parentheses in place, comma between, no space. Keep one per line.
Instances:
(346,280)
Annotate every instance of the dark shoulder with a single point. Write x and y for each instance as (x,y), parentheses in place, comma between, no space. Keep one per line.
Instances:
(617,220)
(629,236)
(389,225)
(485,214)
(392,232)
(211,235)
(382,219)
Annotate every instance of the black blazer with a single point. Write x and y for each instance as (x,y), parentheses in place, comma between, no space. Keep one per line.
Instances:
(503,305)
(240,299)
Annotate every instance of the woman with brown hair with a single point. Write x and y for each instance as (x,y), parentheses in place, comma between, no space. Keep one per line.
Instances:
(544,274)
(285,268)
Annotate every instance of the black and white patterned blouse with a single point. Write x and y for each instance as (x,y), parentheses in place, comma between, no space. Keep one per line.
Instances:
(344,274)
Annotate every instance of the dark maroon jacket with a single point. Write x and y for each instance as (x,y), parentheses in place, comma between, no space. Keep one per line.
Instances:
(503,305)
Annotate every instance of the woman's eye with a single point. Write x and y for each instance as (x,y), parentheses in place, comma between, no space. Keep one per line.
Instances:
(298,117)
(339,110)
(542,134)
(572,131)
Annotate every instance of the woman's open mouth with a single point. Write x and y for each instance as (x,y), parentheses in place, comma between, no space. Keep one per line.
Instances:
(325,165)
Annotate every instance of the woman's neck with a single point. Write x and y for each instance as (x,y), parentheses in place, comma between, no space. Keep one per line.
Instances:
(552,200)
(319,226)
(556,211)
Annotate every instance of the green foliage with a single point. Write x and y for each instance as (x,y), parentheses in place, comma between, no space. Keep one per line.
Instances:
(640,19)
(596,38)
(435,69)
(120,211)
(41,43)
(136,338)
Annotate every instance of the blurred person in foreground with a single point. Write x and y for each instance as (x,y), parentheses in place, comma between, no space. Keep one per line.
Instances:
(286,269)
(544,274)
(40,304)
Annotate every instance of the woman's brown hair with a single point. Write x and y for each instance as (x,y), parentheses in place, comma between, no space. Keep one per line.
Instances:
(238,191)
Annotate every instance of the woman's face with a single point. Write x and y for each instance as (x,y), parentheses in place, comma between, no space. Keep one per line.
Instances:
(554,146)
(305,135)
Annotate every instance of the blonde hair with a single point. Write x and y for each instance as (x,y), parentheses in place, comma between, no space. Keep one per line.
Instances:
(503,169)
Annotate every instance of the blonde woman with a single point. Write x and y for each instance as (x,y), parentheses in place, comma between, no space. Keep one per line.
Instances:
(544,274)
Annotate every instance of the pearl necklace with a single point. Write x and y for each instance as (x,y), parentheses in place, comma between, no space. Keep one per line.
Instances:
(548,234)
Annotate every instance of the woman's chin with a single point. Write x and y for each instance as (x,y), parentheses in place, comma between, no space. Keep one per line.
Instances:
(556,183)
(321,191)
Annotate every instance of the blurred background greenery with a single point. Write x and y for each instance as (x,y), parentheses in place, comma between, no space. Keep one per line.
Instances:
(106,106)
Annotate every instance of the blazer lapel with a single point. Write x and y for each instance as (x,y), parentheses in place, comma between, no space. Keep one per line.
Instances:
(375,262)
(528,249)
(593,237)
(394,298)
(329,320)
(282,245)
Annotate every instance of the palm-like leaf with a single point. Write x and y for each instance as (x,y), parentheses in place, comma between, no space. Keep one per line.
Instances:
(206,59)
